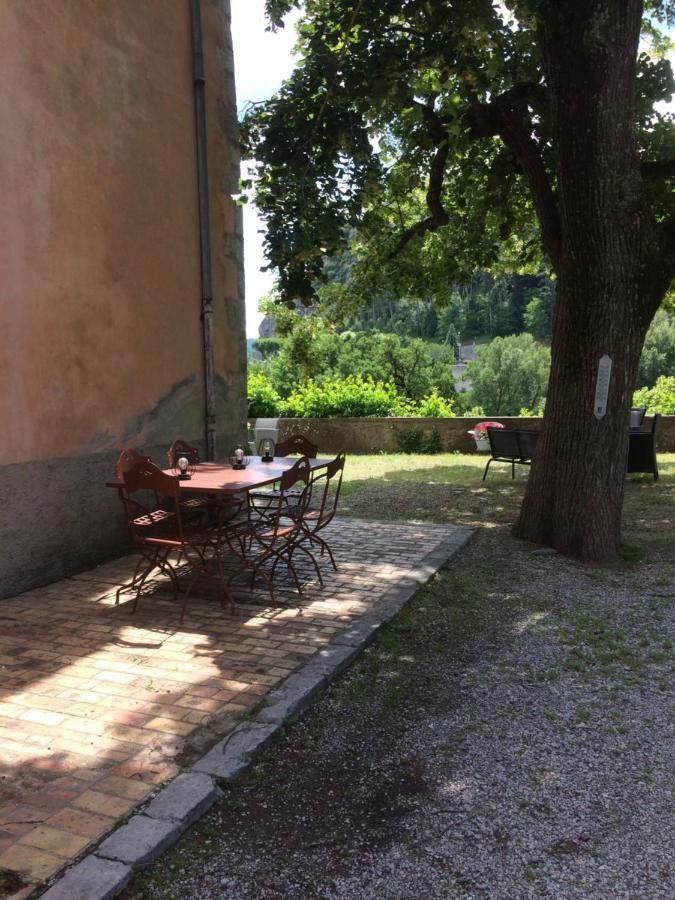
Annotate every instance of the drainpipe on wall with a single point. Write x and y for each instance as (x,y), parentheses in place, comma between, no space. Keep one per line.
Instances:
(204,230)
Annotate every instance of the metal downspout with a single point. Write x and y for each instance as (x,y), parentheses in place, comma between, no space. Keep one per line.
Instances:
(204,230)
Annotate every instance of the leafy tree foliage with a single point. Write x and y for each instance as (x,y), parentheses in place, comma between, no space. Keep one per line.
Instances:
(658,399)
(509,374)
(267,347)
(452,136)
(658,353)
(263,400)
(424,126)
(310,349)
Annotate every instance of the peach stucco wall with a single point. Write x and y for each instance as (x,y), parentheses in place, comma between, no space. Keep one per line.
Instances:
(99,242)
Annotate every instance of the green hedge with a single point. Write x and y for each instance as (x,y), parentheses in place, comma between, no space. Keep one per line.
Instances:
(353,396)
(660,398)
(263,400)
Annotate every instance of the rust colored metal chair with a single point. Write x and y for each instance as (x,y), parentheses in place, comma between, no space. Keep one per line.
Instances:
(158,533)
(296,443)
(325,492)
(260,501)
(273,537)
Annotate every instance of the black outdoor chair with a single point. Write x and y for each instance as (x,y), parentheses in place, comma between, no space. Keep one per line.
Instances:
(527,441)
(642,450)
(637,416)
(511,445)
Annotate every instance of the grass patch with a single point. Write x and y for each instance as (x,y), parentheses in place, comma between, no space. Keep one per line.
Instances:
(632,553)
(447,487)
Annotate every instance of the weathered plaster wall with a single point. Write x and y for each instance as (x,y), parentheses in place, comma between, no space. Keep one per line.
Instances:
(100,331)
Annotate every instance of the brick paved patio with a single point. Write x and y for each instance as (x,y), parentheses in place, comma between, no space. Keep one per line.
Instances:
(98,706)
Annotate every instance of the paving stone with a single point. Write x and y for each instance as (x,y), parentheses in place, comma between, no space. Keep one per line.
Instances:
(363,630)
(294,695)
(92,879)
(141,840)
(185,799)
(232,755)
(108,698)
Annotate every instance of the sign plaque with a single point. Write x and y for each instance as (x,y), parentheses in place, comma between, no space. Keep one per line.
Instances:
(602,386)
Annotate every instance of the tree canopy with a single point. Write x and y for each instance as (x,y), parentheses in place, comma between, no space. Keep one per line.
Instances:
(445,136)
(420,131)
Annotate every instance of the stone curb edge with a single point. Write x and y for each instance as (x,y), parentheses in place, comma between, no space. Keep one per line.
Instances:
(105,872)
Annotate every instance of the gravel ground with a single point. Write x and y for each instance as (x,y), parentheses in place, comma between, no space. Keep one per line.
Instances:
(509,736)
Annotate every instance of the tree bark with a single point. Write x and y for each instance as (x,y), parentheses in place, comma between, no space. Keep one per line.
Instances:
(611,277)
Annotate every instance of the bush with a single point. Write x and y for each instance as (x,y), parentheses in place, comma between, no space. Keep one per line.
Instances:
(352,396)
(660,398)
(263,400)
(509,374)
(658,353)
(412,440)
(435,406)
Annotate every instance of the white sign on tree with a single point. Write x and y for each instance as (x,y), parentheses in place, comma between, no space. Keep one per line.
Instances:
(602,386)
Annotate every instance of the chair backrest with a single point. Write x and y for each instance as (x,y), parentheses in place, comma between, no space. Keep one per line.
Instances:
(504,443)
(138,473)
(182,448)
(656,418)
(527,442)
(637,415)
(327,482)
(277,511)
(299,473)
(127,459)
(144,475)
(296,443)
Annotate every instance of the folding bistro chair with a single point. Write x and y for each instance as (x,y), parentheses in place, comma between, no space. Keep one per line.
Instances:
(296,443)
(272,538)
(158,533)
(324,492)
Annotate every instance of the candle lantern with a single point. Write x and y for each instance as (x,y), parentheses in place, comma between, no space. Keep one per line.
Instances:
(239,458)
(266,450)
(183,459)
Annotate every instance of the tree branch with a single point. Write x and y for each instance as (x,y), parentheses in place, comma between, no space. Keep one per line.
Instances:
(506,116)
(667,229)
(439,216)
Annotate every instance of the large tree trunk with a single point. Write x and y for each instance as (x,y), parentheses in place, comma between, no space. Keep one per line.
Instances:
(610,281)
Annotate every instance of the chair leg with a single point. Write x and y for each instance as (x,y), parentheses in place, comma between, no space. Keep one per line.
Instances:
(486,468)
(289,563)
(513,469)
(130,586)
(324,546)
(314,562)
(185,600)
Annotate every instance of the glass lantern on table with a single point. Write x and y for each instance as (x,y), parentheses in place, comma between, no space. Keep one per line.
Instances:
(266,450)
(239,459)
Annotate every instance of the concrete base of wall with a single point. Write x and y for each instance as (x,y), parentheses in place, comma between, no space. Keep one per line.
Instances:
(57,518)
(373,435)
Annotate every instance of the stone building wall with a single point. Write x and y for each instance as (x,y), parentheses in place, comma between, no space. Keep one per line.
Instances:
(100,329)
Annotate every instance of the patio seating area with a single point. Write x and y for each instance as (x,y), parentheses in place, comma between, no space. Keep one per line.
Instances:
(100,705)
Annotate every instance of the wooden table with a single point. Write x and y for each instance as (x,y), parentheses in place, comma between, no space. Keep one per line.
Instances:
(221,478)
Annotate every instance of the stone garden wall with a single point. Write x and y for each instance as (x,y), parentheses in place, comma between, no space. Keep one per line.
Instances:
(372,435)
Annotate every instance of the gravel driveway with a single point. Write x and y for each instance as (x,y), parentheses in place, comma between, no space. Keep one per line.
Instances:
(509,736)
